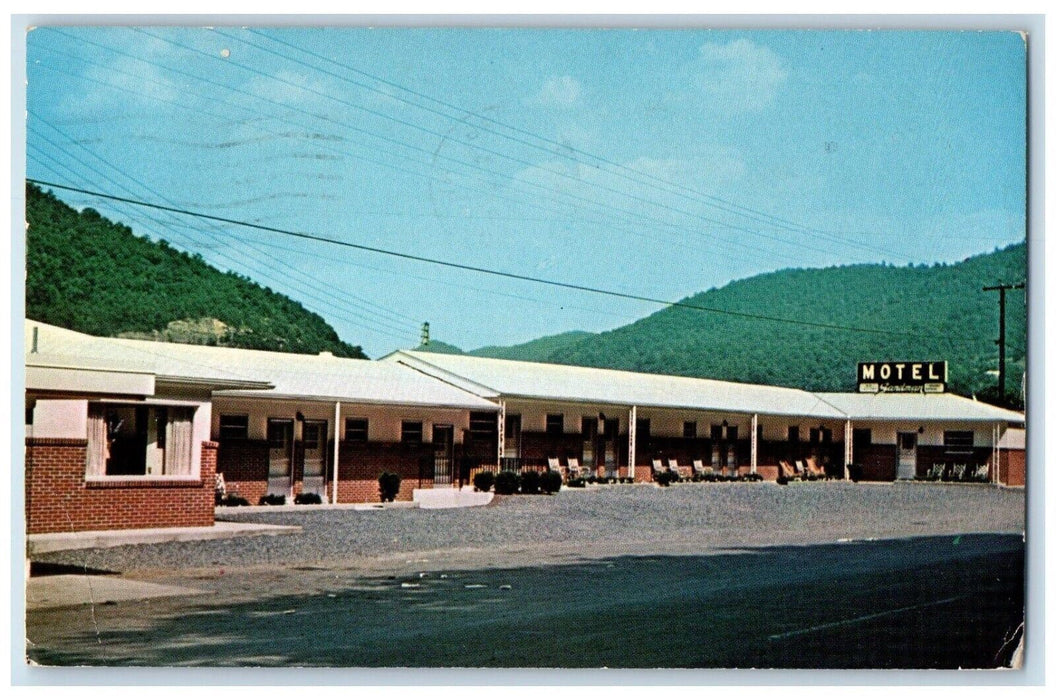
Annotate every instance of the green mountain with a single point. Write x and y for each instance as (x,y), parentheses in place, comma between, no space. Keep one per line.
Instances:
(93,275)
(937,312)
(443,348)
(533,349)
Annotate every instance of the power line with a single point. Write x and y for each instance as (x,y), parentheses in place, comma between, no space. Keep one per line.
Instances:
(473,268)
(561,150)
(603,208)
(374,324)
(478,147)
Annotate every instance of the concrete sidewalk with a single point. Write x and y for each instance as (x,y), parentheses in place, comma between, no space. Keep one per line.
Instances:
(53,542)
(81,589)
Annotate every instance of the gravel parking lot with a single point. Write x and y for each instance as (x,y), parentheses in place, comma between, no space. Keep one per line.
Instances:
(685,518)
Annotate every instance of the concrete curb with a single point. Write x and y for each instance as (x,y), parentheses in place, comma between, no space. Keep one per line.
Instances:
(93,539)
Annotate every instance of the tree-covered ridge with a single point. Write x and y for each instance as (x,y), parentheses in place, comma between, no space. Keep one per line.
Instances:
(533,349)
(938,312)
(95,276)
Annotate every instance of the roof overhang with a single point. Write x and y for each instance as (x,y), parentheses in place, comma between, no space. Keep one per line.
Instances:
(89,381)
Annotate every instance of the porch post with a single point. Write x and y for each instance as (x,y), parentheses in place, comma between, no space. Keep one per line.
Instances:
(502,435)
(337,451)
(848,447)
(632,439)
(996,478)
(755,441)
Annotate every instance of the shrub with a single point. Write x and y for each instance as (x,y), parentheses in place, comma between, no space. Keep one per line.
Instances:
(307,499)
(530,482)
(273,499)
(665,478)
(576,483)
(388,486)
(550,481)
(232,499)
(507,483)
(483,481)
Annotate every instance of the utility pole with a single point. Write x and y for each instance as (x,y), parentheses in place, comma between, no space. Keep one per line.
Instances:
(1002,288)
(425,330)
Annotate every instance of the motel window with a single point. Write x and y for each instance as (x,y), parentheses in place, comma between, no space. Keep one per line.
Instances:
(793,433)
(30,405)
(139,440)
(234,427)
(356,429)
(689,429)
(863,437)
(959,440)
(815,436)
(411,432)
(483,426)
(716,432)
(641,430)
(555,424)
(731,433)
(826,436)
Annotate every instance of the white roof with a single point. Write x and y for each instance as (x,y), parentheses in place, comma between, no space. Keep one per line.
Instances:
(512,378)
(948,407)
(250,373)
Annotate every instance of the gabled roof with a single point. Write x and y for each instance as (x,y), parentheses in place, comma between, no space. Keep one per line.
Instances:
(536,380)
(925,407)
(250,373)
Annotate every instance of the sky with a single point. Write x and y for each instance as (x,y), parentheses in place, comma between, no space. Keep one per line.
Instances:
(656,163)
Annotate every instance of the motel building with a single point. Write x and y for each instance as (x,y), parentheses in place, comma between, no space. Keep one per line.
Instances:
(131,433)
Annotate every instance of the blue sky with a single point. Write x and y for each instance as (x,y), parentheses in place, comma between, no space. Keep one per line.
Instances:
(658,163)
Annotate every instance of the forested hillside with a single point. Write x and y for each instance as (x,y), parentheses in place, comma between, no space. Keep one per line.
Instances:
(937,312)
(93,275)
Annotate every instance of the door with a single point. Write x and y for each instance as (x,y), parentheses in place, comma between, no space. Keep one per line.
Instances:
(907,455)
(608,450)
(443,453)
(280,457)
(589,429)
(511,445)
(313,439)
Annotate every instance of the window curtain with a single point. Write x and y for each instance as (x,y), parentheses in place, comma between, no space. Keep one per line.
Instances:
(178,441)
(97,441)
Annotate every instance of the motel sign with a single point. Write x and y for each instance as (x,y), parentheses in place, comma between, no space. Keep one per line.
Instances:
(902,377)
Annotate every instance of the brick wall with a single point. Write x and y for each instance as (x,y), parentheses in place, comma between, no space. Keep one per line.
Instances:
(362,463)
(878,462)
(244,464)
(1012,469)
(59,499)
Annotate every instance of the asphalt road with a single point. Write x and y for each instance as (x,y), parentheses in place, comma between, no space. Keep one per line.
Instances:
(929,602)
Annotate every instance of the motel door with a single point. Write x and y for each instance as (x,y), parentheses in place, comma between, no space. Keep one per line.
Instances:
(443,454)
(907,455)
(314,441)
(608,449)
(280,455)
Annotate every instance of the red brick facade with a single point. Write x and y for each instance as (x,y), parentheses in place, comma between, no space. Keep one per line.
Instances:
(1012,468)
(60,499)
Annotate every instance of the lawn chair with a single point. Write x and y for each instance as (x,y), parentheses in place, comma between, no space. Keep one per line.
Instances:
(706,473)
(982,473)
(574,470)
(814,470)
(959,471)
(937,471)
(801,470)
(787,471)
(683,472)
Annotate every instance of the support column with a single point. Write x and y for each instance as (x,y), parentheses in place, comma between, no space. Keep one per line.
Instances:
(848,447)
(996,455)
(501,422)
(755,442)
(337,452)
(632,440)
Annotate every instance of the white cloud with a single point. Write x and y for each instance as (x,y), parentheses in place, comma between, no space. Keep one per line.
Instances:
(559,91)
(740,75)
